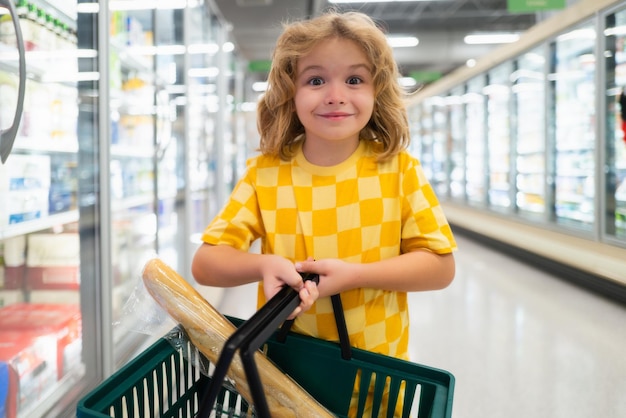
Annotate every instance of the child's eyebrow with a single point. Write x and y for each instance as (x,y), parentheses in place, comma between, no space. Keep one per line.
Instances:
(357,66)
(310,68)
(319,67)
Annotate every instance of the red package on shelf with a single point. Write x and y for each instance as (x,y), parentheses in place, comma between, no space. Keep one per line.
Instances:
(32,369)
(61,321)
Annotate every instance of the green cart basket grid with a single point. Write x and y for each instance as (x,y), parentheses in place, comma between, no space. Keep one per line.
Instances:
(162,382)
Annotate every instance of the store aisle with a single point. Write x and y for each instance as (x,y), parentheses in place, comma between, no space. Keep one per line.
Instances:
(520,343)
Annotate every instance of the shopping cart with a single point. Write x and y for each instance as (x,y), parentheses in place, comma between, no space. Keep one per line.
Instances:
(166,380)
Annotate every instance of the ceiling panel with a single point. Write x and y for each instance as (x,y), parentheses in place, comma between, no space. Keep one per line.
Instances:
(440,26)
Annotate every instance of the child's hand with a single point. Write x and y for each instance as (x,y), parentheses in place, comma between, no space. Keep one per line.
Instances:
(279,272)
(335,275)
(308,295)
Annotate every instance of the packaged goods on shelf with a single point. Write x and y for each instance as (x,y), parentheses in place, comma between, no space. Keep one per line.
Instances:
(1,267)
(50,116)
(23,205)
(10,297)
(54,296)
(4,388)
(52,261)
(14,262)
(30,362)
(9,84)
(64,114)
(136,131)
(62,322)
(25,172)
(7,35)
(36,117)
(24,188)
(13,278)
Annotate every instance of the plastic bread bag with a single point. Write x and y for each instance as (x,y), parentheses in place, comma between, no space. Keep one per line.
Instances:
(208,330)
(142,314)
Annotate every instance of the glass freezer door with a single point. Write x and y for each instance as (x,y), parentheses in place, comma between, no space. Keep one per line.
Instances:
(530,138)
(456,113)
(475,143)
(133,88)
(42,366)
(439,147)
(572,76)
(615,165)
(498,94)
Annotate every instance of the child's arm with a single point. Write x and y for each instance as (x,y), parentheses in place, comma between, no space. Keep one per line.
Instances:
(415,271)
(225,266)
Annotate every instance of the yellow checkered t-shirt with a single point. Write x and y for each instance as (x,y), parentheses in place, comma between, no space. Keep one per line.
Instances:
(359,211)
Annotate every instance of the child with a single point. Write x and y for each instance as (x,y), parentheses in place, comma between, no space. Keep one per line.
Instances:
(334,191)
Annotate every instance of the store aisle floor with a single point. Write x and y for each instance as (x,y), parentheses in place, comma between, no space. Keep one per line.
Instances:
(520,342)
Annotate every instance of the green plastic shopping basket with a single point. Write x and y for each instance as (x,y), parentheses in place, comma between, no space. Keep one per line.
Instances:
(165,380)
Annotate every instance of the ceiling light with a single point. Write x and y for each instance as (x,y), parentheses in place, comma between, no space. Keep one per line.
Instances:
(402,41)
(491,38)
(145,4)
(204,72)
(87,8)
(259,86)
(585,33)
(208,48)
(371,1)
(616,31)
(407,82)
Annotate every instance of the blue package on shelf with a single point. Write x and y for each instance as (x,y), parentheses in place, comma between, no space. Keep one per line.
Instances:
(4,388)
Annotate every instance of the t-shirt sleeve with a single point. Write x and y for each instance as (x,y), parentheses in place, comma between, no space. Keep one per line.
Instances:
(424,223)
(238,224)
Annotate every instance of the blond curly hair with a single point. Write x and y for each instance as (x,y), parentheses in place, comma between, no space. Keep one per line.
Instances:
(277,121)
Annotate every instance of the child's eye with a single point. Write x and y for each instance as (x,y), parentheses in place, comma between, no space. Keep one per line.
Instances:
(316,81)
(354,80)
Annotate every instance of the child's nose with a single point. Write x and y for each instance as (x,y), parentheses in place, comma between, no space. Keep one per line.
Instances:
(335,95)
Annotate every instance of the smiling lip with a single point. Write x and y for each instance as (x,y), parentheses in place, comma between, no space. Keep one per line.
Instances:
(335,115)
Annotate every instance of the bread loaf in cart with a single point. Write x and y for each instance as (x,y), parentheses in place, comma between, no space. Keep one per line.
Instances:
(208,330)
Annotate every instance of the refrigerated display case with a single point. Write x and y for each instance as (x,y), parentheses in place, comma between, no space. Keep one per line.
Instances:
(422,137)
(41,326)
(456,112)
(475,142)
(564,149)
(416,129)
(615,88)
(498,96)
(165,135)
(439,148)
(133,88)
(94,181)
(530,136)
(572,91)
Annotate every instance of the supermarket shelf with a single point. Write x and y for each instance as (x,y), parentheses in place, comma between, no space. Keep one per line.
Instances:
(35,225)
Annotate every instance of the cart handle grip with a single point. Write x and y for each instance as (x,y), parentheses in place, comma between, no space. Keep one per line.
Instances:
(248,338)
(340,321)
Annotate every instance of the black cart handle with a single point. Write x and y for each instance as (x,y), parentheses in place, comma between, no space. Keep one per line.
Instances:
(248,338)
(340,321)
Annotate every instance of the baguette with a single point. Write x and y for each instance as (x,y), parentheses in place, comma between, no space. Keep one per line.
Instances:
(208,330)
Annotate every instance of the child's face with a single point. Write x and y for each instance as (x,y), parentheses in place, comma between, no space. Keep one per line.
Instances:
(334,91)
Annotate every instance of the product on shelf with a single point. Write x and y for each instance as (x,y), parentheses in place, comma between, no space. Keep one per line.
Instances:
(24,188)
(52,261)
(31,373)
(14,256)
(62,322)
